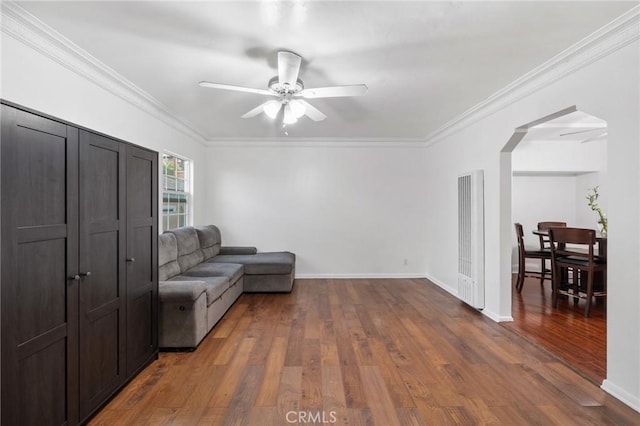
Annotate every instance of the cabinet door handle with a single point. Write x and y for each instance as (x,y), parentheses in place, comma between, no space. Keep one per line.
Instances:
(131,259)
(85,274)
(74,278)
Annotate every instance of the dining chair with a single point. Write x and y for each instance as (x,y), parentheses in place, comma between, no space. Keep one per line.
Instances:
(524,254)
(544,241)
(544,226)
(580,258)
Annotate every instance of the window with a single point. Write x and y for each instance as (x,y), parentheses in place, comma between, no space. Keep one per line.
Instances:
(176,191)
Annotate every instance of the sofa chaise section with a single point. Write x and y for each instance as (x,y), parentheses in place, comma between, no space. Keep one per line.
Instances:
(270,272)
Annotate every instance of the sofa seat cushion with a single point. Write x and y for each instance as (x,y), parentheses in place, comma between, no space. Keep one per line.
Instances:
(232,271)
(214,286)
(261,263)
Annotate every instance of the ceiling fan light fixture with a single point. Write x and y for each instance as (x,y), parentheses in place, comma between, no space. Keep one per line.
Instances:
(289,115)
(272,108)
(297,108)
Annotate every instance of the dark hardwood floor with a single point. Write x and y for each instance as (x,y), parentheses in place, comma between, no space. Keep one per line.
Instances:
(564,331)
(350,352)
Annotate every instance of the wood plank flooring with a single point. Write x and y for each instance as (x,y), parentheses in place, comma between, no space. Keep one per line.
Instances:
(361,352)
(580,341)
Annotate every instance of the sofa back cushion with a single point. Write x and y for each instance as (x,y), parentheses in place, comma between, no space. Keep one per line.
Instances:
(168,266)
(210,241)
(189,253)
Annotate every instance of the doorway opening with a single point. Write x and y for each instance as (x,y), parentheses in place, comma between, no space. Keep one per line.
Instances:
(552,165)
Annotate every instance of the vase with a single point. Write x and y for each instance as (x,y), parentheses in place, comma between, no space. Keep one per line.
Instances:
(603,228)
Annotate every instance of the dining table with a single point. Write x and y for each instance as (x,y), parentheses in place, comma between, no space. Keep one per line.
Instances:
(601,240)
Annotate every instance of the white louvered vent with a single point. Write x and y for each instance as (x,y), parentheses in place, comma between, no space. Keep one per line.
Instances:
(471,238)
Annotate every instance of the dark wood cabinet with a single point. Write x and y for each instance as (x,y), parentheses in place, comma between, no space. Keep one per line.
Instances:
(102,268)
(39,216)
(142,268)
(78,267)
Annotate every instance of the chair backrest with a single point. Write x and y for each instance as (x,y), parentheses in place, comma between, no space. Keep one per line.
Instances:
(544,226)
(561,236)
(520,237)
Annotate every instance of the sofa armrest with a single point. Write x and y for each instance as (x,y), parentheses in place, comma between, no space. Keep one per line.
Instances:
(238,250)
(180,291)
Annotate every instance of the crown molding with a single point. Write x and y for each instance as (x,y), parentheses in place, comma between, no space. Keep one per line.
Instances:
(618,33)
(317,142)
(23,26)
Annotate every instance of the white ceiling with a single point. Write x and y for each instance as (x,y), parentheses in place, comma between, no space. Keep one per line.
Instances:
(425,62)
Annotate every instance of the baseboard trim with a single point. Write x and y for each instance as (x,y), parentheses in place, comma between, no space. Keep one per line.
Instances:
(454,292)
(442,285)
(358,276)
(497,318)
(617,392)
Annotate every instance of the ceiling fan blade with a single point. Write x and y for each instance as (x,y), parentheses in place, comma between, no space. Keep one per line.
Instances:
(312,112)
(581,131)
(335,91)
(288,68)
(595,138)
(236,88)
(257,110)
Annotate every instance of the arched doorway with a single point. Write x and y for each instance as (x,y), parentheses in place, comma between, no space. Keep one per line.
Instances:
(551,166)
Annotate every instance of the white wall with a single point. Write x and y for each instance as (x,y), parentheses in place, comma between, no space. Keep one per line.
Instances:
(553,156)
(608,88)
(540,199)
(344,210)
(33,80)
(585,217)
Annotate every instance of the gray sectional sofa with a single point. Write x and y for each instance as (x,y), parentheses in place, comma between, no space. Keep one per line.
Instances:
(200,280)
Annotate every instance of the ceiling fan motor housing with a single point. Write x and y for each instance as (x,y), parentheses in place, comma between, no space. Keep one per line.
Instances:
(284,88)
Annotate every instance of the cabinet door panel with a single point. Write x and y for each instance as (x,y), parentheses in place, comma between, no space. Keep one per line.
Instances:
(102,258)
(142,265)
(102,248)
(35,314)
(47,181)
(42,370)
(39,254)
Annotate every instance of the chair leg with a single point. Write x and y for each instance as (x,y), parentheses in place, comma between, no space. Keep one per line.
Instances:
(587,307)
(520,281)
(543,265)
(555,281)
(576,285)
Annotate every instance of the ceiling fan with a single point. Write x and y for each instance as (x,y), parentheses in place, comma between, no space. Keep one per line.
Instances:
(289,92)
(602,133)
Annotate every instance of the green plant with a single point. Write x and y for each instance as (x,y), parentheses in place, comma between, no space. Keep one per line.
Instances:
(592,198)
